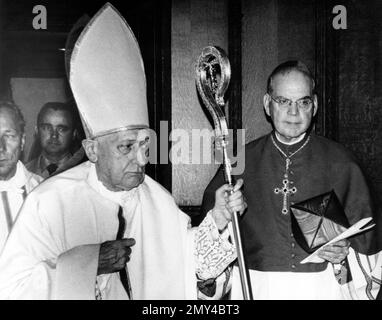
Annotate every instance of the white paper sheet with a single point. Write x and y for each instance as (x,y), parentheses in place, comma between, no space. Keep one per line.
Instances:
(353,230)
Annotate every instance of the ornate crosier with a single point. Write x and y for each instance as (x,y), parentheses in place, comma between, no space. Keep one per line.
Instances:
(286,190)
(213,73)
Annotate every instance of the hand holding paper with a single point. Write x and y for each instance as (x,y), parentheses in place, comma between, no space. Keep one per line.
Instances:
(321,221)
(356,228)
(335,252)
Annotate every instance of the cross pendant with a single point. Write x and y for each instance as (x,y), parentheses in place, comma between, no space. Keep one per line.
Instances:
(286,191)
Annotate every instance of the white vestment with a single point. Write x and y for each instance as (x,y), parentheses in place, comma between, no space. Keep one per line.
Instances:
(268,285)
(366,272)
(52,252)
(13,193)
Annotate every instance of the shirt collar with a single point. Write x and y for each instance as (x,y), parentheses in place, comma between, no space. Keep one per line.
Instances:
(300,138)
(289,149)
(44,162)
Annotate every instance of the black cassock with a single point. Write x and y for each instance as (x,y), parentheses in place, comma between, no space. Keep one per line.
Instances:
(270,186)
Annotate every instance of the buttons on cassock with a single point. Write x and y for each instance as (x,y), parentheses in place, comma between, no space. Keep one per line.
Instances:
(293,255)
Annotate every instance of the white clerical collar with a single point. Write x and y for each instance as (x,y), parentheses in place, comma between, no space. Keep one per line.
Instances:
(119,197)
(300,138)
(17,181)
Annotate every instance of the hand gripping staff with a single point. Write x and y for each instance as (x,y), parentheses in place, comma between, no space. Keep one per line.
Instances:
(213,73)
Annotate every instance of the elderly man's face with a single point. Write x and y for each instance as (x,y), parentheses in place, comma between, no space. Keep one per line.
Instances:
(121,159)
(55,132)
(292,121)
(11,143)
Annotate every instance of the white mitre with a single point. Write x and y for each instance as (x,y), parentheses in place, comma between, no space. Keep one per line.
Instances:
(107,76)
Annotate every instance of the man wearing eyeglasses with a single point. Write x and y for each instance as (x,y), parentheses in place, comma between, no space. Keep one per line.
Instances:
(289,165)
(55,135)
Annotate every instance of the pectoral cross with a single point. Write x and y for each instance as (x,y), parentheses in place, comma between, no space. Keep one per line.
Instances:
(285,189)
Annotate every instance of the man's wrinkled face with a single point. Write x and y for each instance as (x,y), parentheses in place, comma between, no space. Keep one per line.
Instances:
(11,143)
(292,121)
(121,159)
(55,132)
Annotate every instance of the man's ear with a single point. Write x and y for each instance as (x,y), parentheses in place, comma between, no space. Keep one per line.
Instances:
(315,105)
(74,135)
(22,141)
(266,102)
(91,148)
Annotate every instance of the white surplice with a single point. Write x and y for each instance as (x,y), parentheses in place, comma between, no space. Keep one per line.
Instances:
(52,252)
(366,272)
(268,285)
(22,182)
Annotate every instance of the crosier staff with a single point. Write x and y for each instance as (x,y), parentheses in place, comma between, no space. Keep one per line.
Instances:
(213,73)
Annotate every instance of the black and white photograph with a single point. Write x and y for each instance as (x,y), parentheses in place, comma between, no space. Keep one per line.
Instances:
(208,151)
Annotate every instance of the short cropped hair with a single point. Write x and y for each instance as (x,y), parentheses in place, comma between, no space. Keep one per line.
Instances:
(16,111)
(68,107)
(286,67)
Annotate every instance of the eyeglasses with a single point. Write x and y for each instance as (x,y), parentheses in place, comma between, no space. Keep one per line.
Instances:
(303,104)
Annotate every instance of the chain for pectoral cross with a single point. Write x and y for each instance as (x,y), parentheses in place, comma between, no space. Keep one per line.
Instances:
(285,189)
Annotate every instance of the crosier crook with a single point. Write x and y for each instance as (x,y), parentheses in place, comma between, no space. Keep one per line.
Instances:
(213,73)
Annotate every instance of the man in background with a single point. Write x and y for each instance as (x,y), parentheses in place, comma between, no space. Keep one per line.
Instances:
(15,180)
(57,145)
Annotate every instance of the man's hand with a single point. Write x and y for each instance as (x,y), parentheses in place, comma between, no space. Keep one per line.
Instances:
(336,252)
(113,255)
(226,204)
